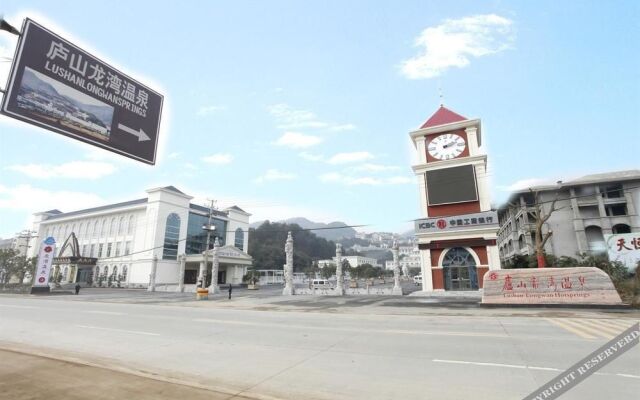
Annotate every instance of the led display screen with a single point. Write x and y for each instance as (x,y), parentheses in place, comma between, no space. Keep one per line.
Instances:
(451,185)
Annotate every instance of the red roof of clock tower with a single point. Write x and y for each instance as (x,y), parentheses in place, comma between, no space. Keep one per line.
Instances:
(441,117)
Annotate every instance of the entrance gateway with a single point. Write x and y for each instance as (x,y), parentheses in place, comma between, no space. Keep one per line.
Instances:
(458,229)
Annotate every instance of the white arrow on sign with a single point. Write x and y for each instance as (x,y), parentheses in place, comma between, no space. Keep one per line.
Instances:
(140,134)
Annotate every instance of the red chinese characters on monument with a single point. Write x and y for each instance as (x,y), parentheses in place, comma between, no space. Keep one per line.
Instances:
(565,283)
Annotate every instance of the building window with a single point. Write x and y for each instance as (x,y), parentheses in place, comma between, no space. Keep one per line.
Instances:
(124,273)
(103,227)
(239,242)
(84,250)
(616,210)
(171,234)
(109,249)
(92,250)
(100,246)
(197,237)
(121,226)
(112,227)
(127,248)
(117,249)
(620,228)
(130,225)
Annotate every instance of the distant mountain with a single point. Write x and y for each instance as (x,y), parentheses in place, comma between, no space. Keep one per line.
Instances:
(103,114)
(329,234)
(30,80)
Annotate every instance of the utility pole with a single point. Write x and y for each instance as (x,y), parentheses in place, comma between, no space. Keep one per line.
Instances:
(208,228)
(27,235)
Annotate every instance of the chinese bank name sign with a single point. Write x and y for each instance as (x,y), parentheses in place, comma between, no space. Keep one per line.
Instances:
(57,86)
(460,222)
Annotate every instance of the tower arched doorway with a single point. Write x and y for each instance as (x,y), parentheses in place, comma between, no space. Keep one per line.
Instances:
(459,269)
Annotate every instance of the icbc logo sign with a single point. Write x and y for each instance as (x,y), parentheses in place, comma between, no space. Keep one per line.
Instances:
(48,249)
(493,276)
(41,279)
(441,224)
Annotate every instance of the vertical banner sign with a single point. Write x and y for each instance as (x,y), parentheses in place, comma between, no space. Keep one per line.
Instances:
(45,258)
(58,86)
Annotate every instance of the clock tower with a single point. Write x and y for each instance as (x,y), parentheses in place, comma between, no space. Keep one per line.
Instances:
(458,229)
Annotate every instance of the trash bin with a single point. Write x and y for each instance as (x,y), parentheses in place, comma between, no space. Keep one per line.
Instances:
(202,294)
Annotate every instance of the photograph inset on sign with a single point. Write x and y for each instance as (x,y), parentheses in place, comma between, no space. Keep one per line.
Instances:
(59,105)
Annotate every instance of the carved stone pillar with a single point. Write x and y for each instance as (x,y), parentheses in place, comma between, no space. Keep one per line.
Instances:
(339,274)
(152,275)
(215,265)
(183,263)
(397,289)
(288,267)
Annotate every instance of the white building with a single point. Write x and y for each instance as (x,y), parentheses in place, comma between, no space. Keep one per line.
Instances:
(354,261)
(408,257)
(117,243)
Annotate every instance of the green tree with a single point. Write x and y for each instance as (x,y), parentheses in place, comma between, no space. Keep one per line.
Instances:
(8,259)
(266,246)
(328,271)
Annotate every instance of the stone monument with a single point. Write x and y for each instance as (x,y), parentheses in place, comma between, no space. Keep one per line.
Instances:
(288,267)
(579,285)
(397,289)
(339,274)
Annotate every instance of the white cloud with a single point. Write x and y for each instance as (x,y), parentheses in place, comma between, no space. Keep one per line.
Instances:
(219,158)
(69,170)
(297,140)
(32,199)
(452,44)
(334,177)
(375,167)
(173,155)
(343,127)
(311,157)
(208,110)
(356,156)
(290,118)
(275,175)
(191,166)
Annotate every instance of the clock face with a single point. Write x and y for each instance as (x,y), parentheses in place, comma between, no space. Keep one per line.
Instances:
(447,146)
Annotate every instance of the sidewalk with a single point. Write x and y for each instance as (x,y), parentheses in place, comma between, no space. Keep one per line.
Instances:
(32,377)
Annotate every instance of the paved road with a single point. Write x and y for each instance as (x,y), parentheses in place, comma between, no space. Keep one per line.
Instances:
(480,354)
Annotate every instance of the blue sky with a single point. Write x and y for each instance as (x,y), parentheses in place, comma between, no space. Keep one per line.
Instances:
(304,108)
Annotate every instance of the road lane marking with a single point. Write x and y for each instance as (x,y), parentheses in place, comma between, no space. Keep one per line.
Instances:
(12,306)
(598,324)
(103,312)
(483,364)
(323,328)
(562,324)
(516,366)
(118,330)
(629,376)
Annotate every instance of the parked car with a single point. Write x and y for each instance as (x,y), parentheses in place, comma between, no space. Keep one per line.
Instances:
(417,280)
(320,284)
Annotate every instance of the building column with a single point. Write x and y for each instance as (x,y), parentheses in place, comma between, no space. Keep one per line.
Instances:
(483,191)
(152,276)
(425,266)
(183,264)
(493,257)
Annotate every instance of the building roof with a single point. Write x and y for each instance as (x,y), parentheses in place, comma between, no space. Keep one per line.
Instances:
(204,209)
(174,189)
(237,209)
(615,176)
(95,209)
(442,116)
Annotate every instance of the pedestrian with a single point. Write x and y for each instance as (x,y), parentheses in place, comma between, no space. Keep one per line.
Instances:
(77,288)
(230,290)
